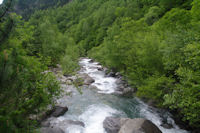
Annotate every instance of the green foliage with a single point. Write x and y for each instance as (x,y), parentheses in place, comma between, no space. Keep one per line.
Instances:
(153,15)
(196,10)
(156,87)
(24,89)
(153,43)
(69,61)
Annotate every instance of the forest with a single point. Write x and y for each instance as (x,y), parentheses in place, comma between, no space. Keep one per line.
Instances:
(154,44)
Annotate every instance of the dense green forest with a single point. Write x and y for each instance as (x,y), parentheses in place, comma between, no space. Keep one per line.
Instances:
(154,44)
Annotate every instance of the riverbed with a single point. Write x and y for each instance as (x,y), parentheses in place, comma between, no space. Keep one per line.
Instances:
(93,105)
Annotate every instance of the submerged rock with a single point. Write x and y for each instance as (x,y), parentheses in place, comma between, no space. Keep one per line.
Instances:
(51,130)
(126,125)
(59,111)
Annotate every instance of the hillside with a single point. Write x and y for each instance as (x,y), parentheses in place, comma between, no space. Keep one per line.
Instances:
(27,7)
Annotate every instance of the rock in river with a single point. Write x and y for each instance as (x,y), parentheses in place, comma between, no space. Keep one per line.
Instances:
(139,125)
(51,130)
(59,111)
(113,125)
(126,125)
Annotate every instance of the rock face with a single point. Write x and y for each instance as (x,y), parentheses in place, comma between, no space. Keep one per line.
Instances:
(59,111)
(126,125)
(51,130)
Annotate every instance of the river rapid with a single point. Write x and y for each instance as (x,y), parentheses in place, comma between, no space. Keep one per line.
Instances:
(92,106)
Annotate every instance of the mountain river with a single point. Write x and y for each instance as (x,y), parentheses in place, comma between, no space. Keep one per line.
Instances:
(94,105)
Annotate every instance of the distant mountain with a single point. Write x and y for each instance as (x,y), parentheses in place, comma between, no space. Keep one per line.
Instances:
(27,7)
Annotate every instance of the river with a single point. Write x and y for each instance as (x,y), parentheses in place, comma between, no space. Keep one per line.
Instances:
(92,106)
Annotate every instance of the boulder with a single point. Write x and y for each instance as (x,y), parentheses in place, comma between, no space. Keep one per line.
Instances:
(139,125)
(126,125)
(118,75)
(89,81)
(100,69)
(91,61)
(111,74)
(59,111)
(128,91)
(124,91)
(51,130)
(113,125)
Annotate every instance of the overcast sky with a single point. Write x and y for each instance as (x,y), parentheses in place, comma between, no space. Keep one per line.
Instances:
(1,1)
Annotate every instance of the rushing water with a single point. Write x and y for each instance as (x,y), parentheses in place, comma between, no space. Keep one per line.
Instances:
(93,106)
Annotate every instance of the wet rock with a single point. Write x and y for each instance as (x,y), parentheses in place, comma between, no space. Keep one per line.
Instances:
(91,61)
(67,123)
(59,111)
(51,130)
(45,124)
(117,75)
(112,124)
(111,74)
(87,79)
(100,69)
(128,92)
(125,91)
(166,125)
(126,125)
(139,125)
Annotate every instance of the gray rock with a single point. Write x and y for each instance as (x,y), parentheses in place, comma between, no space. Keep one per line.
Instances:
(51,130)
(126,125)
(128,92)
(91,61)
(100,69)
(88,80)
(59,111)
(139,125)
(111,74)
(118,75)
(112,124)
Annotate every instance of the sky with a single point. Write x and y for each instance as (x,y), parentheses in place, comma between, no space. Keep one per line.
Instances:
(1,1)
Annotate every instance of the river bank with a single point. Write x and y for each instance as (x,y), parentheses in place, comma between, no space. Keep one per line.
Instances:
(99,97)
